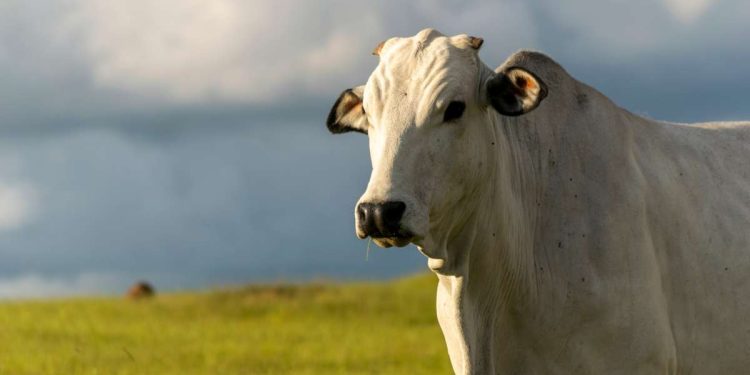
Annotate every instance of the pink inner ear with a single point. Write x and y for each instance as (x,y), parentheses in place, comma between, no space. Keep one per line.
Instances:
(525,84)
(357,106)
(350,102)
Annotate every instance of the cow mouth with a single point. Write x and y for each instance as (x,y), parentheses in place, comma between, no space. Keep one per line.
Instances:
(391,241)
(400,239)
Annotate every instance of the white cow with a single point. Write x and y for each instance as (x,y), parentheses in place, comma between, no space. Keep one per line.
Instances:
(570,238)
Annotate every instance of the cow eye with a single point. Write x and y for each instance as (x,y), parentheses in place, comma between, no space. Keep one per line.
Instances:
(454,111)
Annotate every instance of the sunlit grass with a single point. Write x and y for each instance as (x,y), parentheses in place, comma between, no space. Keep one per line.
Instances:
(361,328)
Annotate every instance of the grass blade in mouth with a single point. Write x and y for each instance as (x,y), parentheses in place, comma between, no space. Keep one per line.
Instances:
(367,253)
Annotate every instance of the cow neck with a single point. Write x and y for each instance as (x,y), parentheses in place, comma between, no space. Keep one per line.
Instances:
(501,252)
(490,246)
(495,271)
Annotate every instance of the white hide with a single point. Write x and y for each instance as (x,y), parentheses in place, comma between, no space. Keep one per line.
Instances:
(578,238)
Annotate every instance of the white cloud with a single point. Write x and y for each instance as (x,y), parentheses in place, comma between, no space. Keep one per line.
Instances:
(187,50)
(687,11)
(17,203)
(259,51)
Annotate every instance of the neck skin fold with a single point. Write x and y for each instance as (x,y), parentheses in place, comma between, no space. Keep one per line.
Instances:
(491,248)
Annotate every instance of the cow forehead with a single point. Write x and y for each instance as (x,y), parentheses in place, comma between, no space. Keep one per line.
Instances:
(423,71)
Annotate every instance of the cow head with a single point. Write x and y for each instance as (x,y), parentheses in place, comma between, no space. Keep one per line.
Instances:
(425,110)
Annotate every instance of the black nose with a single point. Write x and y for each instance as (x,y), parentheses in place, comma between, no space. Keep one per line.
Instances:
(380,219)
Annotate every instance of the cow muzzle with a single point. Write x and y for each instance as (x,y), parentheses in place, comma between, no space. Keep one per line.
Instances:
(382,222)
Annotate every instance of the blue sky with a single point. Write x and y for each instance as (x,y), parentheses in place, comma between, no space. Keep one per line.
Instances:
(182,141)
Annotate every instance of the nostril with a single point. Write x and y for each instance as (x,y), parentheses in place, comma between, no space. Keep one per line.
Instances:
(380,219)
(388,217)
(392,212)
(362,209)
(365,218)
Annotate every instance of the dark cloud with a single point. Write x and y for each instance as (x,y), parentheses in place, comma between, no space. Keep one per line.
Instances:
(254,203)
(180,165)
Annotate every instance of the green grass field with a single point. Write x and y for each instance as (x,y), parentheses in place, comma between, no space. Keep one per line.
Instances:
(357,328)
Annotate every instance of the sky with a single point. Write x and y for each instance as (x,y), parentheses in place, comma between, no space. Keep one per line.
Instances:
(183,141)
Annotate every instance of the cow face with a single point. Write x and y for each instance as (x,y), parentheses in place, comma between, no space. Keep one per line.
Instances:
(425,111)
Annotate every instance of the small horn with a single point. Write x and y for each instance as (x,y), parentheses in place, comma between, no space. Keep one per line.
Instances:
(377,49)
(475,42)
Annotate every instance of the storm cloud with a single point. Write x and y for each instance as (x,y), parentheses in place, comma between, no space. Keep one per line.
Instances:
(183,141)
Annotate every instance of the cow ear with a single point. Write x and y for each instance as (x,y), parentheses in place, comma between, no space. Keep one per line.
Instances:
(515,91)
(347,113)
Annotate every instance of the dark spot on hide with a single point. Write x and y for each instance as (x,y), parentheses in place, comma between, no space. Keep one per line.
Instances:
(559,245)
(582,99)
(583,279)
